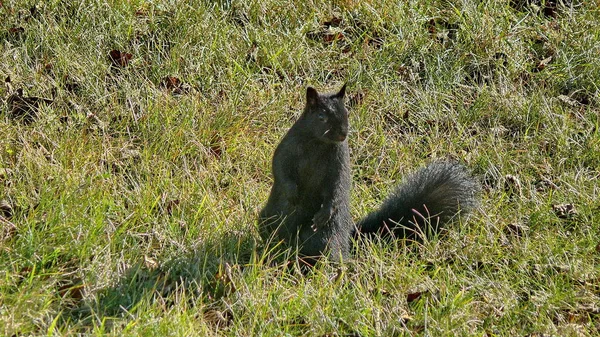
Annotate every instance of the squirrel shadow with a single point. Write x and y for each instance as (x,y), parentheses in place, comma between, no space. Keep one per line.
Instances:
(202,276)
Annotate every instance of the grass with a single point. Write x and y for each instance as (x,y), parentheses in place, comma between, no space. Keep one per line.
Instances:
(129,204)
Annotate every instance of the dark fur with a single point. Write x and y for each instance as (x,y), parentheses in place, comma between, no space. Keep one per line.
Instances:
(309,204)
(426,201)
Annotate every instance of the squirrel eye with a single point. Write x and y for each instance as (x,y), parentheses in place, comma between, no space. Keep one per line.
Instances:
(322,117)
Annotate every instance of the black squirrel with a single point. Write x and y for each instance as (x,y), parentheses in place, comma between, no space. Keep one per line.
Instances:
(309,204)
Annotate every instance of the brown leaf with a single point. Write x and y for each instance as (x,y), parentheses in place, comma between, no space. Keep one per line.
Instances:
(150,263)
(48,68)
(356,98)
(24,108)
(411,297)
(16,31)
(6,209)
(375,42)
(171,205)
(331,37)
(72,289)
(326,35)
(71,85)
(335,21)
(174,85)
(512,185)
(170,82)
(543,63)
(564,211)
(119,59)
(218,318)
(516,229)
(7,229)
(215,149)
(442,30)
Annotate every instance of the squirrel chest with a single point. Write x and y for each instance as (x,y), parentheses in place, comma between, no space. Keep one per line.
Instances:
(318,167)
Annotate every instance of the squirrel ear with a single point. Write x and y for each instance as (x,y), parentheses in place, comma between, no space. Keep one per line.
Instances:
(311,96)
(342,91)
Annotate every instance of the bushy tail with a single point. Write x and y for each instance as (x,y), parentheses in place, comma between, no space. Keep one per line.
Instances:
(426,201)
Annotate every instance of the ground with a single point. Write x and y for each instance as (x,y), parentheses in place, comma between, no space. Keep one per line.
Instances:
(136,157)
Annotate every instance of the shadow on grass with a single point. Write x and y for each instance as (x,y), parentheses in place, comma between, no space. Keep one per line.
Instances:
(200,277)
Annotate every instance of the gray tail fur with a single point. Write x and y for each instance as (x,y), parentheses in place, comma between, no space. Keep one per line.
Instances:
(426,201)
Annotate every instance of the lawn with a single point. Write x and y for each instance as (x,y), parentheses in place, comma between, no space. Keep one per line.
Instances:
(135,148)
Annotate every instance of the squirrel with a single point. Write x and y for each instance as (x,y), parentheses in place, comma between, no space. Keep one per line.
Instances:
(309,204)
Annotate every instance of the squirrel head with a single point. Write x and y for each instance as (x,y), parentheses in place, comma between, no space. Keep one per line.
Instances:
(327,115)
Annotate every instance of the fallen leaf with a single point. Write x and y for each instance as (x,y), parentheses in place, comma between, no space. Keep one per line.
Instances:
(516,229)
(150,263)
(16,30)
(72,289)
(442,30)
(331,37)
(564,211)
(335,21)
(218,318)
(48,67)
(7,229)
(24,108)
(71,85)
(171,205)
(543,63)
(215,148)
(174,85)
(6,209)
(170,82)
(327,33)
(512,185)
(119,59)
(411,297)
(356,98)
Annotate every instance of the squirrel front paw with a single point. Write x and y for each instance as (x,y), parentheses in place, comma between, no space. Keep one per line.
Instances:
(322,217)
